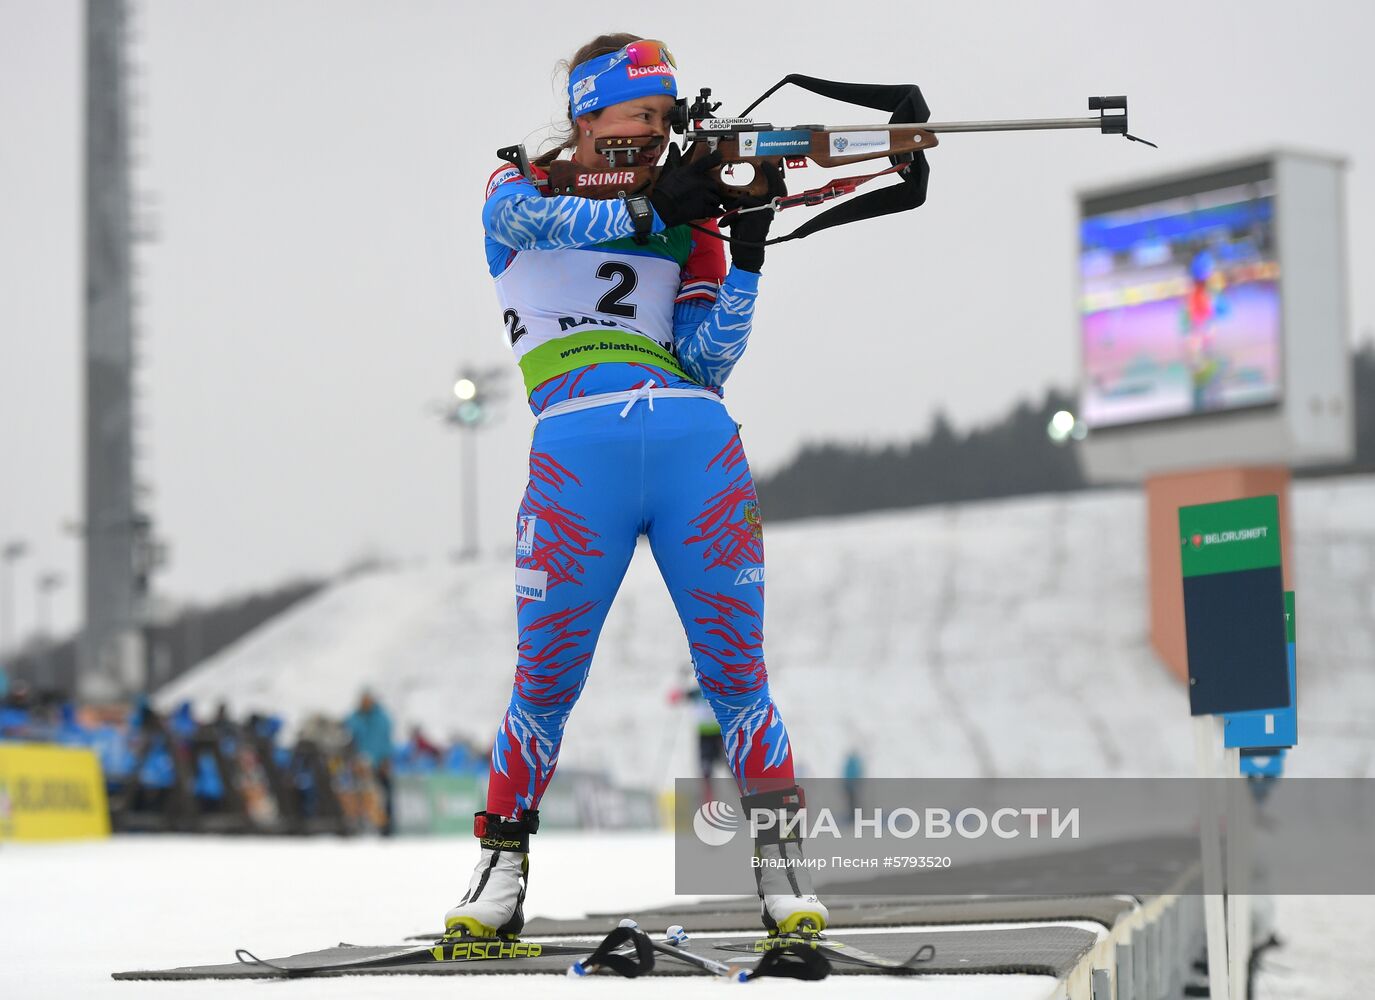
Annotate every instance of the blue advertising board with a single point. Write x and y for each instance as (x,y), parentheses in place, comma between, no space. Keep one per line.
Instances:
(1277,727)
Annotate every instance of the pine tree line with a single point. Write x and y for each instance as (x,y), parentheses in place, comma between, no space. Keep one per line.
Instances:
(1012,457)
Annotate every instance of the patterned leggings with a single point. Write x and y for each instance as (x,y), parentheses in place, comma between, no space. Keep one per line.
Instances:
(678,474)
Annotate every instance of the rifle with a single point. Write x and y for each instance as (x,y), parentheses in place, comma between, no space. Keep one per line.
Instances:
(744,142)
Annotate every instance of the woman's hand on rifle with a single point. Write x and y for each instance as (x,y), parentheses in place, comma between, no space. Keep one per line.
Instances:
(749,230)
(687,192)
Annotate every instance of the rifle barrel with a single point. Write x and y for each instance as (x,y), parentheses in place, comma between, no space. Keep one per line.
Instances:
(1011,125)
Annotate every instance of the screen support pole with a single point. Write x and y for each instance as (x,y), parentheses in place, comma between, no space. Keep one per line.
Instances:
(1207,739)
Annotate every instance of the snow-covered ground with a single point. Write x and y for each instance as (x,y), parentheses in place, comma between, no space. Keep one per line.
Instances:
(1326,949)
(999,638)
(74,913)
(70,914)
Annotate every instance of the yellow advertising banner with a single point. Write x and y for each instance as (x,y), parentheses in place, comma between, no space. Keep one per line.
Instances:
(51,793)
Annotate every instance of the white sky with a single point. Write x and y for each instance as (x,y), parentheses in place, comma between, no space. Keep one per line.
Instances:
(318,168)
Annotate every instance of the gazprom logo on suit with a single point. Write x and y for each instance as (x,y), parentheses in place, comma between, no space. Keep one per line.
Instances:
(530,583)
(750,574)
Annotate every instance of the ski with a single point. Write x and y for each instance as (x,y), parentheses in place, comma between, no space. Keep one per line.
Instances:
(457,950)
(840,951)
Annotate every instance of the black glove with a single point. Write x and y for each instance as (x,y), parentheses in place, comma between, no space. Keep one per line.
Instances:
(687,193)
(752,228)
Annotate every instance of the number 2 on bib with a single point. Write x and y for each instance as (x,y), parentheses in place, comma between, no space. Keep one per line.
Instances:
(514,328)
(626,279)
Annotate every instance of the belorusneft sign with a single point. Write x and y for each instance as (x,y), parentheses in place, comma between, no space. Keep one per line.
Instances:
(1234,606)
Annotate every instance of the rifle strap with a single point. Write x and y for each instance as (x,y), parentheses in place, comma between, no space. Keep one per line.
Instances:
(906,104)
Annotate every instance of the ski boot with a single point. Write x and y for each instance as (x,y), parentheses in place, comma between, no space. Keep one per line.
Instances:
(787,904)
(493,906)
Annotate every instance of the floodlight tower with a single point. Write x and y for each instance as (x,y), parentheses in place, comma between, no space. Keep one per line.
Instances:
(116,533)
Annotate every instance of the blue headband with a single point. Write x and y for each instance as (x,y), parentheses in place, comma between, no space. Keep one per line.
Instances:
(612,79)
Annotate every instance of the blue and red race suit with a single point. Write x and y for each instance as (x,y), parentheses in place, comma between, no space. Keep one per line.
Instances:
(624,347)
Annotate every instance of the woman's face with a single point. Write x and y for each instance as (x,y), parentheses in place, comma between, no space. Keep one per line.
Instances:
(642,116)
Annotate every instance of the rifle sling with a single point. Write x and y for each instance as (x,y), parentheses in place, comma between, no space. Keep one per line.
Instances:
(906,104)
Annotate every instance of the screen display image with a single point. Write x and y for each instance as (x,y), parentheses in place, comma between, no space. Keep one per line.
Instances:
(1180,303)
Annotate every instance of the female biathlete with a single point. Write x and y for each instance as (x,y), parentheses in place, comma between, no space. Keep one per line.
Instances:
(626,323)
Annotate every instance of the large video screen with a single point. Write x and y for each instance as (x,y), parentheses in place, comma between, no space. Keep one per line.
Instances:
(1180,299)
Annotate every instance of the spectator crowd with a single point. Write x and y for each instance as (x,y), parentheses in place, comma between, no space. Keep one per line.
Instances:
(175,772)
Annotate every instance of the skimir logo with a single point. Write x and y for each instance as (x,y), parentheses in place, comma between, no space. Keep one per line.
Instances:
(715,823)
(606,177)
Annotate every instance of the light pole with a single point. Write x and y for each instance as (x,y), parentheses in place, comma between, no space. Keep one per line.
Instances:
(12,552)
(45,584)
(474,392)
(468,415)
